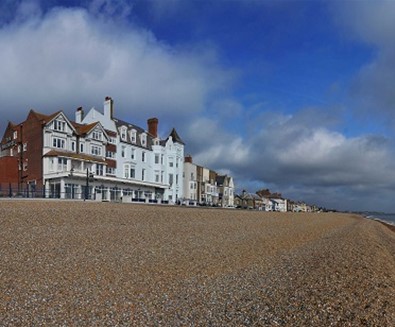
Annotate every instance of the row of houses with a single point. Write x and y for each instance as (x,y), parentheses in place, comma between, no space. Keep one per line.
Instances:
(206,187)
(99,157)
(266,201)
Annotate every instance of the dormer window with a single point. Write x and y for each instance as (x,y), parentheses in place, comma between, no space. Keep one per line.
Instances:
(123,133)
(133,136)
(143,139)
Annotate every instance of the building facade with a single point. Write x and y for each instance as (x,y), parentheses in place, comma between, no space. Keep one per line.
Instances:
(205,187)
(94,157)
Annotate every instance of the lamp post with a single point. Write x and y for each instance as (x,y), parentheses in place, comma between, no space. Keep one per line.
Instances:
(88,176)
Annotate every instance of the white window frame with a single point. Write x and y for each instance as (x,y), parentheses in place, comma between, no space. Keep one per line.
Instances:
(58,143)
(96,150)
(133,136)
(133,154)
(124,132)
(99,170)
(97,135)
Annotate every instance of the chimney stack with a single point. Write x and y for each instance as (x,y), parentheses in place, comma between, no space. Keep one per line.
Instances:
(152,124)
(108,107)
(79,115)
(188,158)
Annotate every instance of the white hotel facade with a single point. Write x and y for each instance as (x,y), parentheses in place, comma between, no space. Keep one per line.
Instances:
(148,167)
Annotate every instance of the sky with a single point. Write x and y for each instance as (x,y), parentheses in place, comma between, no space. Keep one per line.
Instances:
(294,96)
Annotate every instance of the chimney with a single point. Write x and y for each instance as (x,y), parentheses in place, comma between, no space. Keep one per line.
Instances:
(188,158)
(79,115)
(153,126)
(108,107)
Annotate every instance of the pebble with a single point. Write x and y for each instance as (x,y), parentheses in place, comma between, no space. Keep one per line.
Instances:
(107,264)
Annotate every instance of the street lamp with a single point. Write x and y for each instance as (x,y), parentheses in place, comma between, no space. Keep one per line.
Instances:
(71,174)
(88,177)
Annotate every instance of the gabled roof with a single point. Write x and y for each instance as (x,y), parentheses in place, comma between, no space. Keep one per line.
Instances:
(84,129)
(43,117)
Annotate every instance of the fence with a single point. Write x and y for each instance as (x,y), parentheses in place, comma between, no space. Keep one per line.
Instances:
(114,195)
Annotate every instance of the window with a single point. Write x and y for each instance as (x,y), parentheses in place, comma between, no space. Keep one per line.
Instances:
(19,148)
(82,147)
(143,156)
(133,154)
(96,150)
(113,140)
(97,135)
(73,146)
(171,164)
(59,125)
(123,152)
(126,171)
(143,175)
(24,147)
(161,159)
(110,171)
(15,135)
(132,172)
(170,179)
(161,176)
(123,133)
(157,176)
(143,139)
(58,143)
(156,158)
(51,164)
(99,170)
(177,179)
(110,154)
(133,136)
(62,164)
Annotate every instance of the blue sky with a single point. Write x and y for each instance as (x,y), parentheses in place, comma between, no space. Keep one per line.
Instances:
(295,96)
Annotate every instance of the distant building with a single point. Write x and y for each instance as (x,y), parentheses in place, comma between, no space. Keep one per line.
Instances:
(204,186)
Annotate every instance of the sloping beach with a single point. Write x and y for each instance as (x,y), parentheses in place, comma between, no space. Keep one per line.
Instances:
(103,264)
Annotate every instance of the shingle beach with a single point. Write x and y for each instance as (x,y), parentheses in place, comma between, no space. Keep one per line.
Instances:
(103,264)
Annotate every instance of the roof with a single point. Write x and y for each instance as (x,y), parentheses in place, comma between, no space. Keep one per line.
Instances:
(176,138)
(119,123)
(84,128)
(223,179)
(45,118)
(55,153)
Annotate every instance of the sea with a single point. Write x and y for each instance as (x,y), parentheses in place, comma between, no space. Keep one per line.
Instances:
(384,217)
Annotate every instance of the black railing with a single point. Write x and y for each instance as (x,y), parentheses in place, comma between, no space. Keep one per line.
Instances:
(70,194)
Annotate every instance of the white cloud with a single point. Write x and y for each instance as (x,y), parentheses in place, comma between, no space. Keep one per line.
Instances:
(70,57)
(302,160)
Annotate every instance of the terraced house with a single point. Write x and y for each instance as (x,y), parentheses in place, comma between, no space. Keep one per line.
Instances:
(97,156)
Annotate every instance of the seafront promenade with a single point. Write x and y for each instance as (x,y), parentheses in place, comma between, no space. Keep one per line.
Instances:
(105,264)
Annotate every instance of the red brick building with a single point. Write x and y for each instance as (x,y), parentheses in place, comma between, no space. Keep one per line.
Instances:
(21,160)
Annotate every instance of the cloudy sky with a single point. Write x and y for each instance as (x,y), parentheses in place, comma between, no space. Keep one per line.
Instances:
(295,96)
